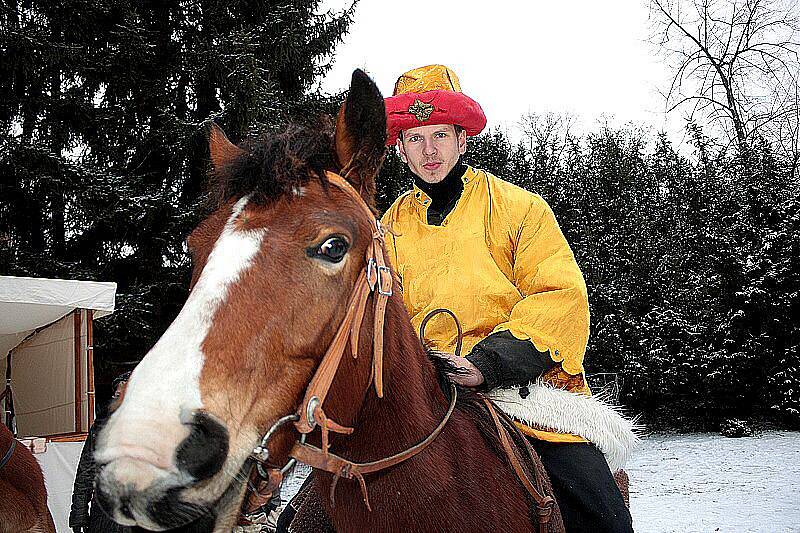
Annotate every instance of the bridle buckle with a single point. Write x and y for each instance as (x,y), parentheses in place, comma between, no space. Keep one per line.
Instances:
(376,274)
(384,270)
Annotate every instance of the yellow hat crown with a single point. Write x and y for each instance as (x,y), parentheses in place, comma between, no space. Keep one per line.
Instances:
(430,78)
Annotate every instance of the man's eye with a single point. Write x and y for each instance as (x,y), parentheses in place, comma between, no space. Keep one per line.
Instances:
(414,138)
(333,249)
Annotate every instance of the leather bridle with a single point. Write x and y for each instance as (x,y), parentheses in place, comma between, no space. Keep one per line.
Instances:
(376,279)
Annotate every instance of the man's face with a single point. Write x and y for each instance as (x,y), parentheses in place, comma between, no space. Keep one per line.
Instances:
(432,151)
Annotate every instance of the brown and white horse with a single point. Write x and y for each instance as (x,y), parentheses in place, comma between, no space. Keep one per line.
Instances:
(23,496)
(274,267)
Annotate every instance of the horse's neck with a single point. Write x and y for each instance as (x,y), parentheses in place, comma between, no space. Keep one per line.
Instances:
(412,406)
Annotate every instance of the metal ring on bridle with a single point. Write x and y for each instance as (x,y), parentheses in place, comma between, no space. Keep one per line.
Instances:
(313,403)
(261,452)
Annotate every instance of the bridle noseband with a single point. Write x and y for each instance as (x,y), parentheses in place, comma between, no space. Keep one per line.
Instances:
(375,279)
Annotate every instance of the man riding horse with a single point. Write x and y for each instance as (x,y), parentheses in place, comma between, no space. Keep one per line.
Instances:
(294,344)
(493,254)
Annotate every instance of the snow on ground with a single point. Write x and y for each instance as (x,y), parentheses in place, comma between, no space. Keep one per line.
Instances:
(709,483)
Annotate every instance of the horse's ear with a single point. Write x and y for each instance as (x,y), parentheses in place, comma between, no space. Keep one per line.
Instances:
(361,135)
(221,149)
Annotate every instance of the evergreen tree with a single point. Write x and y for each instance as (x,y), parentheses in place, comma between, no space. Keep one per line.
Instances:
(104,107)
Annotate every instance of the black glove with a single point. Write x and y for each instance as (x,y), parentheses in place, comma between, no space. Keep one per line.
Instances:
(506,361)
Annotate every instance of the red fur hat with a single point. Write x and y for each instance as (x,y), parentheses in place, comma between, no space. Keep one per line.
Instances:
(431,95)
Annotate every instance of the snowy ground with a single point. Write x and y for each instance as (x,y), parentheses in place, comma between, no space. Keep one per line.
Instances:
(706,482)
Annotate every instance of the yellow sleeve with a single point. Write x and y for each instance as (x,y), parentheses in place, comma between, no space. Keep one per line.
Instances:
(554,310)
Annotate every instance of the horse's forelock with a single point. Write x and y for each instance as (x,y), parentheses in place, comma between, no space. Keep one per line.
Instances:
(274,165)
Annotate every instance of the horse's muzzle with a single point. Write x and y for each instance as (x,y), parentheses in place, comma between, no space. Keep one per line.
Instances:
(158,507)
(140,485)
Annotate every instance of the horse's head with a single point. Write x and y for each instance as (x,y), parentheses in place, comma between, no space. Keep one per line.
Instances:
(274,266)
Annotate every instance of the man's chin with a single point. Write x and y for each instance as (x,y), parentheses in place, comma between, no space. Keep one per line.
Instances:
(431,176)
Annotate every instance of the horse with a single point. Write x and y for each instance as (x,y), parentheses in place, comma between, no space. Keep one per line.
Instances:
(23,496)
(275,289)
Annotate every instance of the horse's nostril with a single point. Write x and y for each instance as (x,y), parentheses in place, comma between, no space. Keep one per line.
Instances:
(204,451)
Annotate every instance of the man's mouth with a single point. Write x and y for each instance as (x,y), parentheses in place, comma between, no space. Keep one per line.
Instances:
(431,166)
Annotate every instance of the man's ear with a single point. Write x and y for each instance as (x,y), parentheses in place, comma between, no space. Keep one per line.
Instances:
(360,138)
(222,151)
(462,142)
(401,151)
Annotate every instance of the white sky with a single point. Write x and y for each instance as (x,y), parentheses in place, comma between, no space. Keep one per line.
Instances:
(588,58)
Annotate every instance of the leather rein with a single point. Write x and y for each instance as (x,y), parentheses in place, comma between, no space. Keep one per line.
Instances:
(504,425)
(375,279)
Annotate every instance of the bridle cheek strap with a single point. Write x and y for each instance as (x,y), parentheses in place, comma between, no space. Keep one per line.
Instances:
(375,278)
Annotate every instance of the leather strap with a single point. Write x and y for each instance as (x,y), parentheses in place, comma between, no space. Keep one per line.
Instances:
(343,468)
(260,493)
(376,278)
(544,503)
(7,457)
(459,331)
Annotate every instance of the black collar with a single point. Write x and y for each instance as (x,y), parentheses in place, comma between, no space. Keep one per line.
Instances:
(443,194)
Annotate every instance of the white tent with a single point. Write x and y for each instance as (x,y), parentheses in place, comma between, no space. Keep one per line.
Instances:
(46,357)
(45,334)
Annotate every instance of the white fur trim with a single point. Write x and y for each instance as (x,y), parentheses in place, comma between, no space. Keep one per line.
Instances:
(568,412)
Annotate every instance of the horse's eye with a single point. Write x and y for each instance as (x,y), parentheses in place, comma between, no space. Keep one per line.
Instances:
(333,249)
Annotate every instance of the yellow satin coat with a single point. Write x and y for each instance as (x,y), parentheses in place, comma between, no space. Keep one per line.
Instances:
(500,262)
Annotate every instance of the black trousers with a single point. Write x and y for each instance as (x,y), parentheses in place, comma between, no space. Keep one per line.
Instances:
(584,488)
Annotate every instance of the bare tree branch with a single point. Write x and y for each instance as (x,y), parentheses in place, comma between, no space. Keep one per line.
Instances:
(737,62)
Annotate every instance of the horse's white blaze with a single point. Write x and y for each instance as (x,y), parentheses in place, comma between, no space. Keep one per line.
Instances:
(164,390)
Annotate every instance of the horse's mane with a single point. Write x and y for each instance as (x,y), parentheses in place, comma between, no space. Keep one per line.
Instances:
(274,165)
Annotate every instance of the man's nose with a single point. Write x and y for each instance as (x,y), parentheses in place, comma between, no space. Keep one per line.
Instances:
(429,148)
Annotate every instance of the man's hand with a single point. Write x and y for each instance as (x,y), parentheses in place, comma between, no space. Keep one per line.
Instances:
(468,375)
